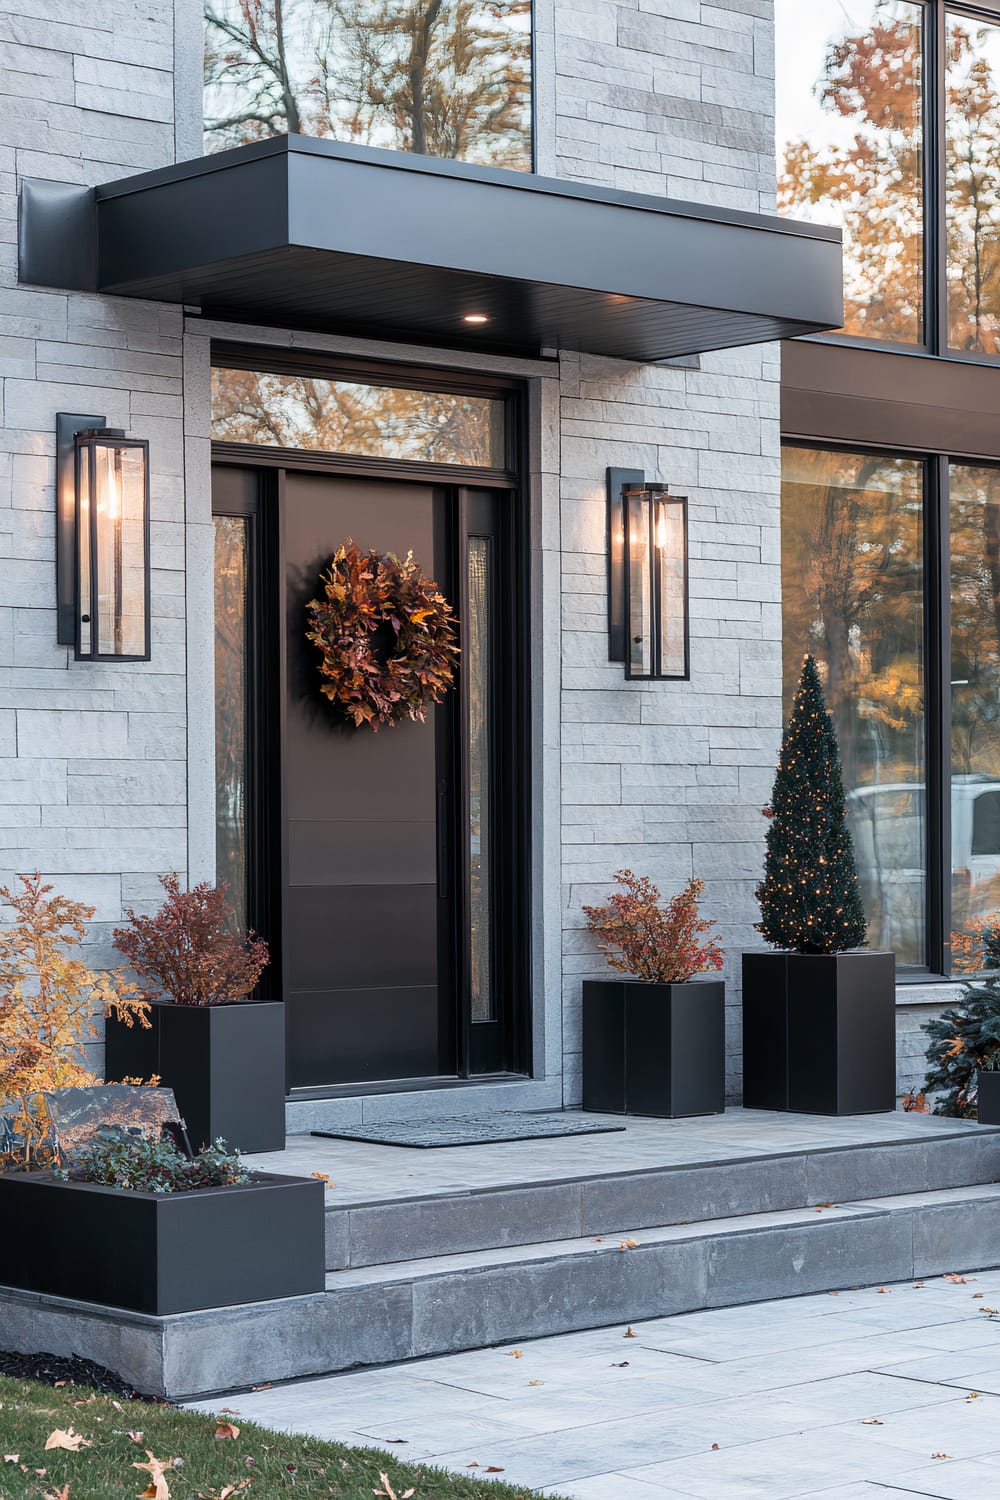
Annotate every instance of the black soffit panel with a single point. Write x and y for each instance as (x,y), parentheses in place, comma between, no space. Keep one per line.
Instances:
(320,235)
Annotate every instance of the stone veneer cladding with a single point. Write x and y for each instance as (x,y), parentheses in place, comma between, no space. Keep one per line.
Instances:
(670,97)
(92,757)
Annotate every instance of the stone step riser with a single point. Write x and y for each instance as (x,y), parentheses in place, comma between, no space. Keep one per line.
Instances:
(443,1311)
(382,1233)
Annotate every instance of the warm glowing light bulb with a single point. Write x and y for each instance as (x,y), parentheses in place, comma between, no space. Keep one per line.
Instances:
(475,318)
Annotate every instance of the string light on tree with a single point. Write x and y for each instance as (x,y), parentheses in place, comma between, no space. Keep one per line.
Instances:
(810,900)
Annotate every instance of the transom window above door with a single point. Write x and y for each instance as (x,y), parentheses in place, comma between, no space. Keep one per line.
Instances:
(888,116)
(447,78)
(358,417)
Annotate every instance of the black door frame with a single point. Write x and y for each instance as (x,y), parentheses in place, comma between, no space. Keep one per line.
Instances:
(262,502)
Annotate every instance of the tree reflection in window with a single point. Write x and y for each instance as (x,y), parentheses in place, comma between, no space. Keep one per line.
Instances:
(852,587)
(448,78)
(975,694)
(850,148)
(342,416)
(231,709)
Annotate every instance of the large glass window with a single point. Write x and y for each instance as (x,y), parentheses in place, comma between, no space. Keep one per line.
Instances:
(349,416)
(854,90)
(853,591)
(850,148)
(975,695)
(445,78)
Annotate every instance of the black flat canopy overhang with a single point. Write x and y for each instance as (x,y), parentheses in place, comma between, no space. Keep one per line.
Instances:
(319,235)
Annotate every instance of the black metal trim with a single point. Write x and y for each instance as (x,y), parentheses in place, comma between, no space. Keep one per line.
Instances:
(85,444)
(272,359)
(67,564)
(261,457)
(615,482)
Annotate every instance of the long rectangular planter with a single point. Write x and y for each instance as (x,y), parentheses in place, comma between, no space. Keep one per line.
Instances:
(819,1032)
(988,1093)
(162,1253)
(225,1064)
(654,1049)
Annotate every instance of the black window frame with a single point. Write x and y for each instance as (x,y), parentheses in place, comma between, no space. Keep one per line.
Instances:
(934,343)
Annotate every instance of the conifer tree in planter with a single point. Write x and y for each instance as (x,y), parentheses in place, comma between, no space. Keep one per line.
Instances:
(819,1023)
(963,1054)
(654,1042)
(221,1051)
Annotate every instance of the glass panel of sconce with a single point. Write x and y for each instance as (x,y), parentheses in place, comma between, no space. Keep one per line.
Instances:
(104,545)
(648,583)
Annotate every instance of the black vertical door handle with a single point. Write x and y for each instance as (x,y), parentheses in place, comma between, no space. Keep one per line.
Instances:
(442,840)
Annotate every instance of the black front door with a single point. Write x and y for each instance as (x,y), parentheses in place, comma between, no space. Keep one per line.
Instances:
(396,893)
(368,990)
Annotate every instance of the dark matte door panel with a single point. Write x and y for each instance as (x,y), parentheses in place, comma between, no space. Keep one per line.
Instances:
(365,994)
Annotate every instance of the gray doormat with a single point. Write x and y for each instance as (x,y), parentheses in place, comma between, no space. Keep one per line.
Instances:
(469,1130)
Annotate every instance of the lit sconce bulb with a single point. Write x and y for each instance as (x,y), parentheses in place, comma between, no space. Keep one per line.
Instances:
(475,318)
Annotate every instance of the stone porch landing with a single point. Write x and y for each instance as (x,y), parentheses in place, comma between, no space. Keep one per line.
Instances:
(433,1251)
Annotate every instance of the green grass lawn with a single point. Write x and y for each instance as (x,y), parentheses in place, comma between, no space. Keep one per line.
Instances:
(120,1432)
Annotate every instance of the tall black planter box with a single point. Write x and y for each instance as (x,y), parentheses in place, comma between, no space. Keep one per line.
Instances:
(654,1049)
(819,1032)
(225,1064)
(162,1253)
(988,1106)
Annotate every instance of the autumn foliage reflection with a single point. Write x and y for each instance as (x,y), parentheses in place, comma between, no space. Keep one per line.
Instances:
(868,173)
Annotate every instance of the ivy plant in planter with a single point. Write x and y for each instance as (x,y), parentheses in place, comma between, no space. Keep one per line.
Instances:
(134,1223)
(654,1042)
(963,1054)
(819,1017)
(221,1051)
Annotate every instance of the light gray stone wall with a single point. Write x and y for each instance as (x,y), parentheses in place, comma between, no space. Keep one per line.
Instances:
(671,97)
(92,757)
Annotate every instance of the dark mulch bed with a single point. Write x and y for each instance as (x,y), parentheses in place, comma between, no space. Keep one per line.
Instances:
(60,1369)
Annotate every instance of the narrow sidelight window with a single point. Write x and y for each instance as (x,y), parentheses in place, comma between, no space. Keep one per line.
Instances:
(232,620)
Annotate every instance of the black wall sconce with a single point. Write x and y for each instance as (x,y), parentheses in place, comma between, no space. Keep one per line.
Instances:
(647,578)
(102,540)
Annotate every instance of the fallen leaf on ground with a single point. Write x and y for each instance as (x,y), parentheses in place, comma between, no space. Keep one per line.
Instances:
(514,1354)
(265,1387)
(136,1437)
(490,1469)
(12,1458)
(884,1289)
(227,1430)
(917,1285)
(388,1491)
(62,1494)
(629,1245)
(621,1364)
(231,1411)
(940,1455)
(972,1396)
(534,1382)
(225,1492)
(960,1280)
(474,1464)
(715,1447)
(872,1422)
(978,1296)
(991,1310)
(323,1177)
(630,1333)
(598,1240)
(397,1440)
(157,1488)
(70,1440)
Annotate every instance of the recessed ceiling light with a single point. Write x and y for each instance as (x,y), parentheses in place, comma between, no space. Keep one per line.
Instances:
(475,318)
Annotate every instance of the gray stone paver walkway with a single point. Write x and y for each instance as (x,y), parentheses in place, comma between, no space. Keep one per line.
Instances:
(763,1402)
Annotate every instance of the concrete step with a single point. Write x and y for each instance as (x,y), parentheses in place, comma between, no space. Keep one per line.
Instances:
(380,1314)
(452,1222)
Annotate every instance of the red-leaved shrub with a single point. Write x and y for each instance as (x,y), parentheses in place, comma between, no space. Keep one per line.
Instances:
(189,950)
(659,943)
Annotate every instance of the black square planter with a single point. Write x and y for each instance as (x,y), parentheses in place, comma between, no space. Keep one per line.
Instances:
(654,1049)
(819,1032)
(163,1253)
(988,1098)
(225,1064)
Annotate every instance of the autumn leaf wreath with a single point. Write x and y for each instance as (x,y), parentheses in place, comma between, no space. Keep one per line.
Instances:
(386,637)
